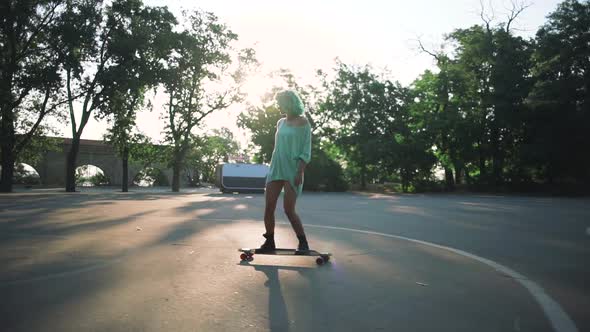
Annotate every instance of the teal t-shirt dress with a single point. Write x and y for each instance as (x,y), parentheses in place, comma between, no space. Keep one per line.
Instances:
(292,143)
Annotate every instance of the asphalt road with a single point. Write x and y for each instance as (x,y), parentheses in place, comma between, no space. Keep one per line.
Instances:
(155,261)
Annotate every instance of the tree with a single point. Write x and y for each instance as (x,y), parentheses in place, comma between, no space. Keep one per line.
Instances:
(433,95)
(353,102)
(201,58)
(208,151)
(511,80)
(83,44)
(149,156)
(262,123)
(558,121)
(497,64)
(139,45)
(323,173)
(405,143)
(29,75)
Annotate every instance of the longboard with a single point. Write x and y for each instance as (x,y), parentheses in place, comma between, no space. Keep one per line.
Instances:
(248,254)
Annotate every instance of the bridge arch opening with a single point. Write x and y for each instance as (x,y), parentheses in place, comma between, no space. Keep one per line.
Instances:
(91,176)
(151,177)
(26,174)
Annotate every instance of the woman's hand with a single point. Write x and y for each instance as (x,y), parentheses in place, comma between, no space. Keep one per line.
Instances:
(298,178)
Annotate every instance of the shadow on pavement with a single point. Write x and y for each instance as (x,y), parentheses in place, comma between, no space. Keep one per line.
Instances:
(278,315)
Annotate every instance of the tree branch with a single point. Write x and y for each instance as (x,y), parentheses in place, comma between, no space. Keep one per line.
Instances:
(171,115)
(434,55)
(484,17)
(42,112)
(40,27)
(517,9)
(70,100)
(22,95)
(219,105)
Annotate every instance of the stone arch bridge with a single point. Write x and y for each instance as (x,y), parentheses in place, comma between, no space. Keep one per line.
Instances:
(51,167)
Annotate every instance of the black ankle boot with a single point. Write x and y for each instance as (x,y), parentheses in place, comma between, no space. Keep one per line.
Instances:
(269,244)
(303,245)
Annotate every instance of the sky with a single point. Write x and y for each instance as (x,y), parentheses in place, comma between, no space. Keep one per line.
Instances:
(307,35)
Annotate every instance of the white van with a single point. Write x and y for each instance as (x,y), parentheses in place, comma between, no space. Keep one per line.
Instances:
(236,177)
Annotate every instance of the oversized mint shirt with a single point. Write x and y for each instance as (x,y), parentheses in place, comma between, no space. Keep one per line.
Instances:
(292,143)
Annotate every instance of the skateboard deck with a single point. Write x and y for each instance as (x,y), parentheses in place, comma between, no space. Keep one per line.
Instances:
(248,254)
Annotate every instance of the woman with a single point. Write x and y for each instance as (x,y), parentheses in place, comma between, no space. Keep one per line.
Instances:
(291,154)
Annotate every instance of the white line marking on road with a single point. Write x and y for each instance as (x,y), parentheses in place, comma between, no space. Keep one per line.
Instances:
(559,319)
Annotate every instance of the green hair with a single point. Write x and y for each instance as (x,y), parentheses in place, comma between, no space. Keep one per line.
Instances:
(290,102)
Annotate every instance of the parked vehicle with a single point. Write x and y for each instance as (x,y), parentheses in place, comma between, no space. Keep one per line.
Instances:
(238,177)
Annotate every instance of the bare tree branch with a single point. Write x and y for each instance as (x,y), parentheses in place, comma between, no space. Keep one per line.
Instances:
(517,9)
(220,104)
(434,55)
(485,17)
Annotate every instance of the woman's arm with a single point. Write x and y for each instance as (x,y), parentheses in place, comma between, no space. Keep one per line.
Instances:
(300,171)
(305,155)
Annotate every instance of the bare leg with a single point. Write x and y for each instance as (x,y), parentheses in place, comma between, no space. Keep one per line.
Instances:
(289,205)
(273,189)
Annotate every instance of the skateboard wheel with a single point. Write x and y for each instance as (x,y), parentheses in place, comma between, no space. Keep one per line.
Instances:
(250,258)
(327,258)
(319,260)
(243,256)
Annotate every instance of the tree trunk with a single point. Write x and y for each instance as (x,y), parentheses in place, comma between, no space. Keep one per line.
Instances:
(482,163)
(7,166)
(467,177)
(405,180)
(125,177)
(71,165)
(496,158)
(363,177)
(176,168)
(449,180)
(7,141)
(197,178)
(458,173)
(176,176)
(363,170)
(7,132)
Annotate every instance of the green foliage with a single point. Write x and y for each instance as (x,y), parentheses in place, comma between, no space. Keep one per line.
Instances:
(356,103)
(151,177)
(138,48)
(380,132)
(143,151)
(99,179)
(37,147)
(30,82)
(262,123)
(201,56)
(497,66)
(324,173)
(24,176)
(207,152)
(558,121)
(498,110)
